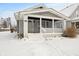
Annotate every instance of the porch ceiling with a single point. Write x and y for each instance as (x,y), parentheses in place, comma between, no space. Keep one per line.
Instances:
(46,13)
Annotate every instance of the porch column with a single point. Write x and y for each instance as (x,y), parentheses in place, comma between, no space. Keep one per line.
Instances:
(26,26)
(64,24)
(40,24)
(53,25)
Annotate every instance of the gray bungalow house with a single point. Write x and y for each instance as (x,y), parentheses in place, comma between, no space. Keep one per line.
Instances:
(40,20)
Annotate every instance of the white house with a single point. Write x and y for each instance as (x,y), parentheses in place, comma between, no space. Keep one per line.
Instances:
(72,12)
(40,20)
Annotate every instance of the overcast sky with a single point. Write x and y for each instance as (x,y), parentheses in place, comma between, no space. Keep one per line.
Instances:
(8,9)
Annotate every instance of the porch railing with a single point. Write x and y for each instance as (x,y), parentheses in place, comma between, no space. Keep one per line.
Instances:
(51,30)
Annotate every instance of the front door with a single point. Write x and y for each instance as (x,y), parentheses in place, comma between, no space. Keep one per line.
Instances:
(33,25)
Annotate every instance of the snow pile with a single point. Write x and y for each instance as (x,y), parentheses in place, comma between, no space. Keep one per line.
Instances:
(58,46)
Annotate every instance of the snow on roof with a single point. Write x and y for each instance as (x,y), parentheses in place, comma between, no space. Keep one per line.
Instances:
(69,9)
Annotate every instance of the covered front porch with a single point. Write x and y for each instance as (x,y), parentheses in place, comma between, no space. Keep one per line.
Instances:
(42,24)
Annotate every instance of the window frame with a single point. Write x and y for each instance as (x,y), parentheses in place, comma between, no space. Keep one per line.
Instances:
(46,23)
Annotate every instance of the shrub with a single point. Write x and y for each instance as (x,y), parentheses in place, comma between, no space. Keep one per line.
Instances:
(20,35)
(11,30)
(70,32)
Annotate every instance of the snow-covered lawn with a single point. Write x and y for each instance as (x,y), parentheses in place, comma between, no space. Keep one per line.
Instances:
(59,46)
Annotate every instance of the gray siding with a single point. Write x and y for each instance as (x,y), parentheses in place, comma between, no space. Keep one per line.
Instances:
(68,24)
(17,26)
(20,26)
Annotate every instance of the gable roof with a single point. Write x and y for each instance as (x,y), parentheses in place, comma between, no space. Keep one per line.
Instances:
(39,6)
(69,9)
(43,8)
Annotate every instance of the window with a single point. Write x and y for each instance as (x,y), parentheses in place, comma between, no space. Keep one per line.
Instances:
(46,23)
(77,24)
(57,24)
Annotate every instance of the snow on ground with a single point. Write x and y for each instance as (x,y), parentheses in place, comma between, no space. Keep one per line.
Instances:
(58,46)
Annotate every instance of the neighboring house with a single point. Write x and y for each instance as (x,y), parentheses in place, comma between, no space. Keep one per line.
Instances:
(8,21)
(72,12)
(40,19)
(1,23)
(5,22)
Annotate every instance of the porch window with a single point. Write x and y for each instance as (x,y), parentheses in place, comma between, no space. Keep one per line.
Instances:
(46,23)
(33,25)
(58,24)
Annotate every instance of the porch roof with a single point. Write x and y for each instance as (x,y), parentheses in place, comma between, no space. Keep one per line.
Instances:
(40,8)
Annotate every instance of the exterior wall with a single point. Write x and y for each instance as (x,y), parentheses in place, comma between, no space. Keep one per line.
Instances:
(68,24)
(20,26)
(17,26)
